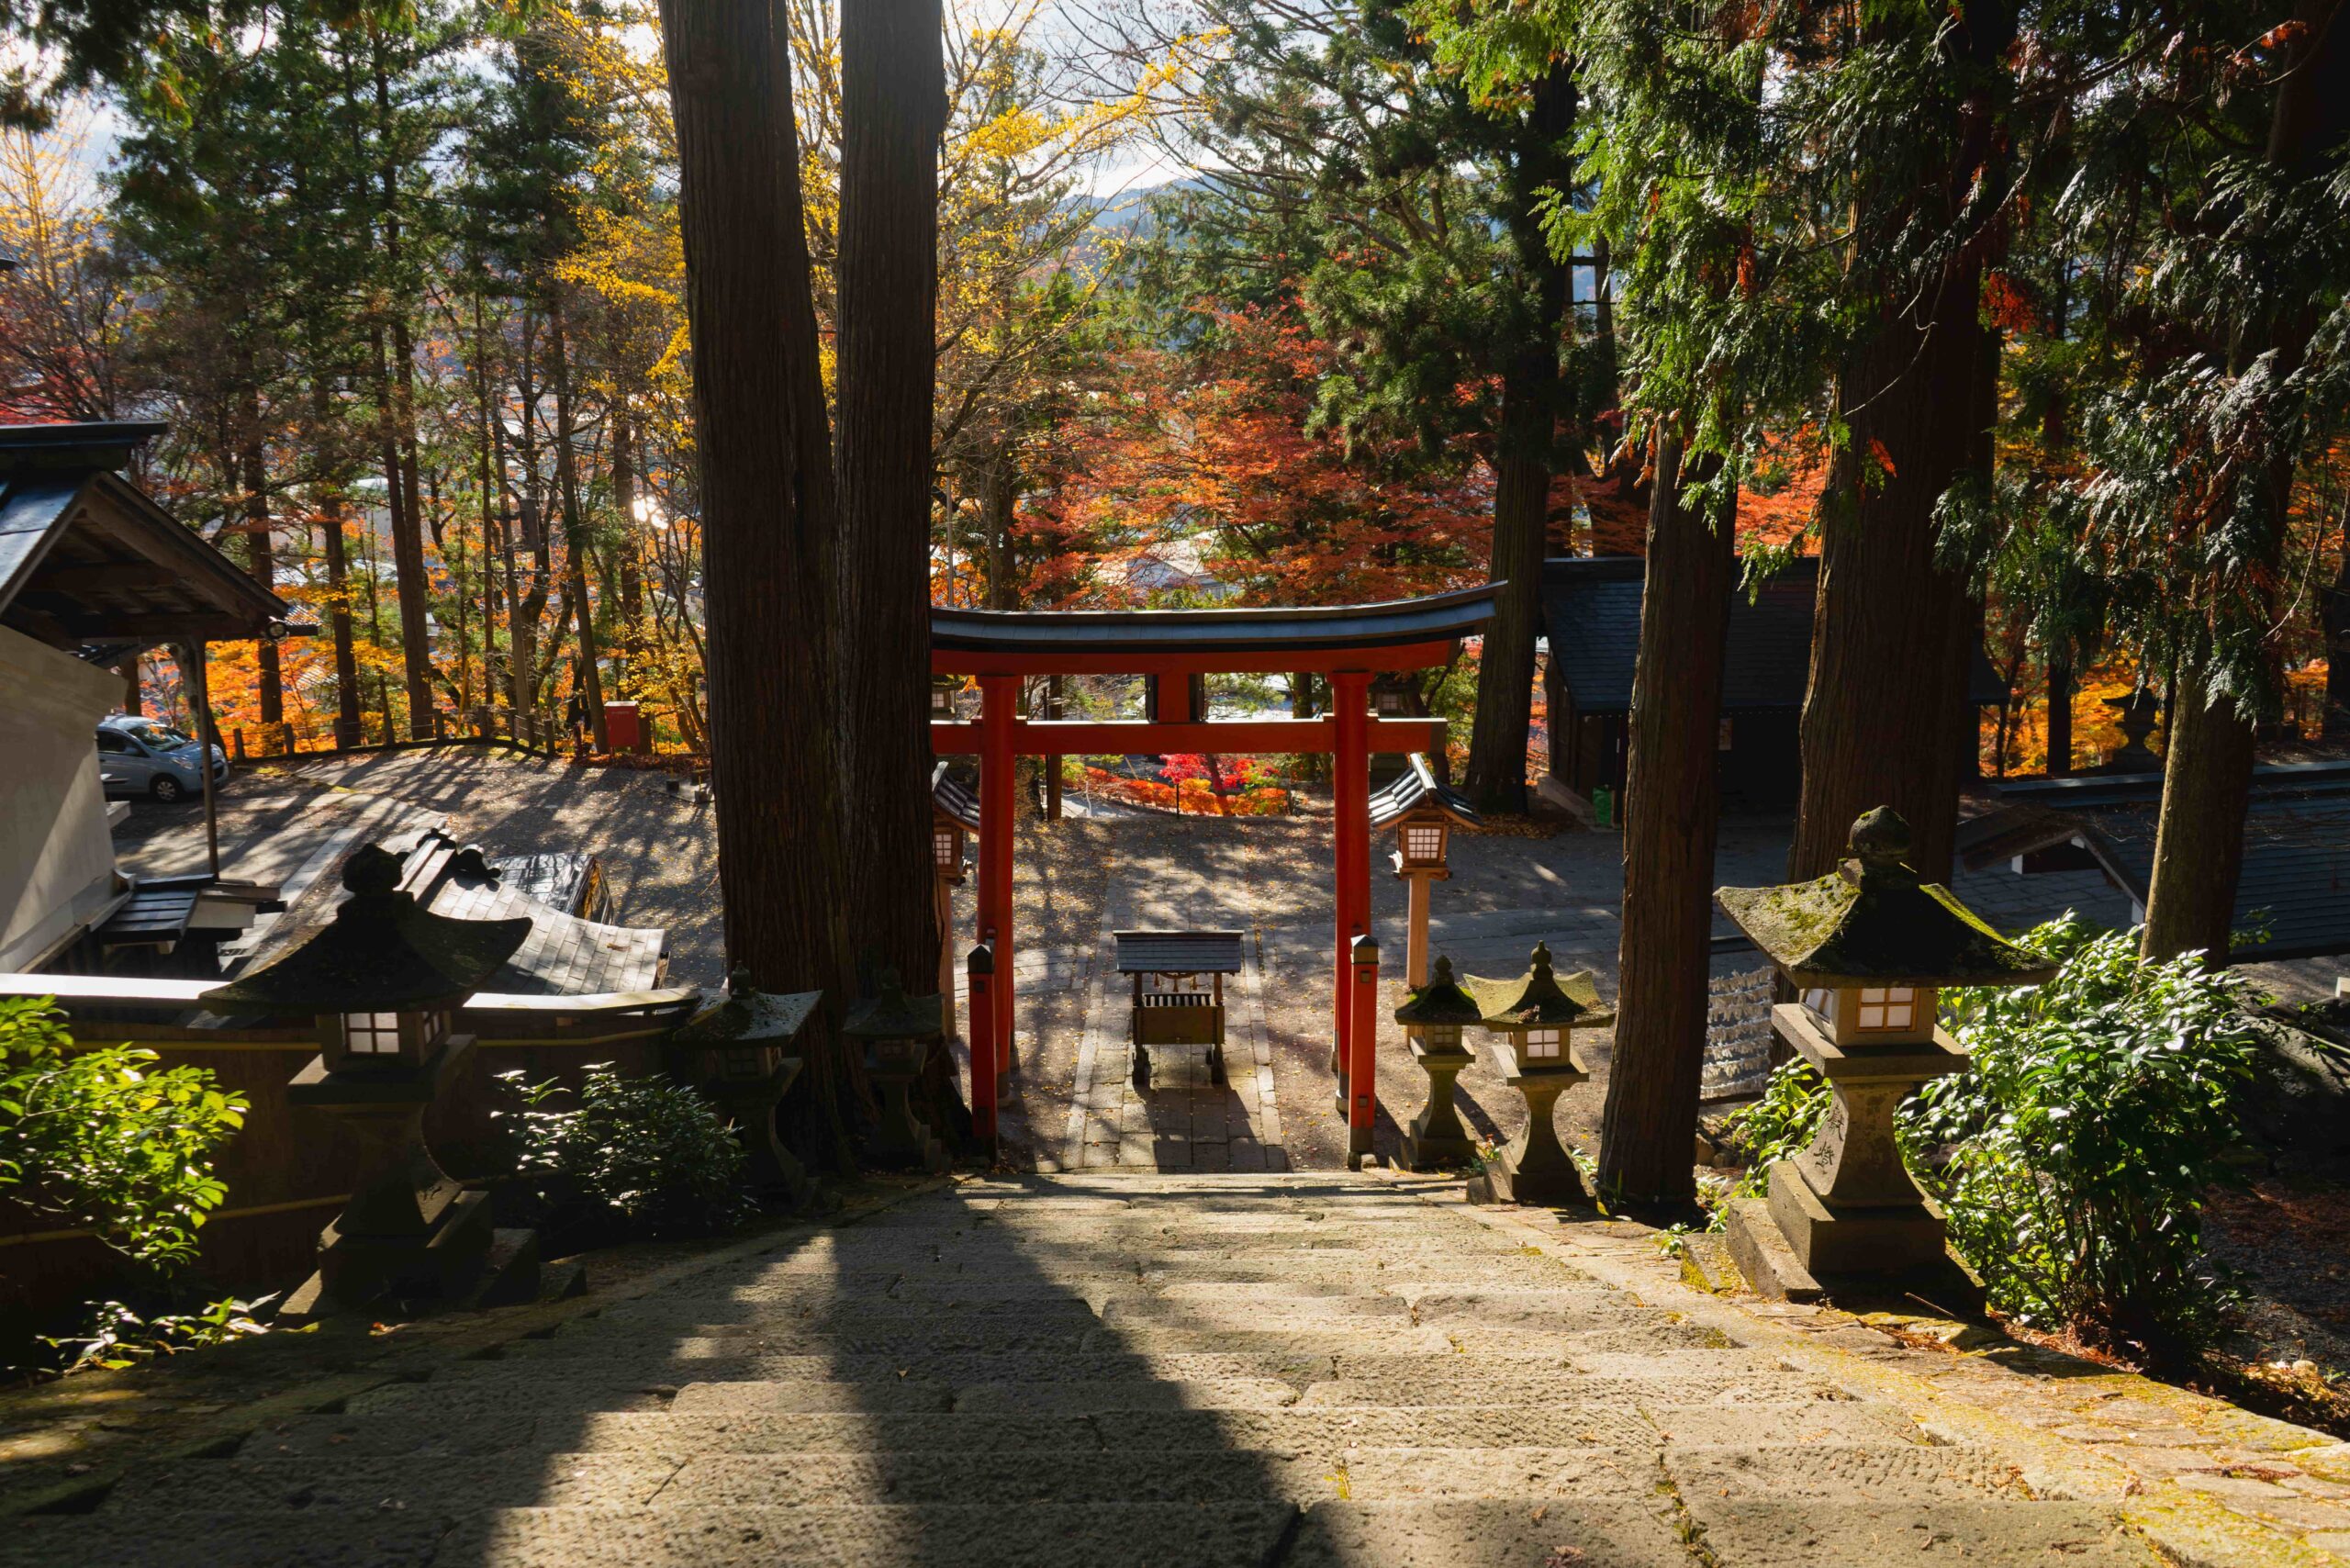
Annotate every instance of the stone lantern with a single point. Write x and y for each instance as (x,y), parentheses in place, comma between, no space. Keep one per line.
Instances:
(384,980)
(1866,949)
(898,1031)
(1536,1016)
(1433,1019)
(739,1054)
(1423,812)
(941,696)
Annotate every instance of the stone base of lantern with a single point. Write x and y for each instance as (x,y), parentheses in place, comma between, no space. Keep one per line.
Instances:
(1845,1211)
(1797,1246)
(410,1233)
(1536,1169)
(767,1165)
(1436,1139)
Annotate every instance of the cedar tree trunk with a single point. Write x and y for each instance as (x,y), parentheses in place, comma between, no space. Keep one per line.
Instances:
(2207,764)
(893,109)
(1528,422)
(1884,715)
(348,729)
(574,525)
(768,522)
(1673,796)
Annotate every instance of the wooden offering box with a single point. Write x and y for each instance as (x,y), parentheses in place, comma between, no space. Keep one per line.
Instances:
(1178,991)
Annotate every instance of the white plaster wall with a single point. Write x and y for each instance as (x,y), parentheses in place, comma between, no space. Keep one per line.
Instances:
(56,856)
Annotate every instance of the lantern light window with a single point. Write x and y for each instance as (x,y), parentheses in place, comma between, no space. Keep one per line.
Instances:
(1387,699)
(946,848)
(1888,1008)
(1543,1044)
(1423,842)
(371,1034)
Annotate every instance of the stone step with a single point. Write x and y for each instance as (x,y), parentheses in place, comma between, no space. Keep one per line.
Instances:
(1862,1528)
(1841,1471)
(451,1486)
(1605,1532)
(1441,1385)
(1163,1431)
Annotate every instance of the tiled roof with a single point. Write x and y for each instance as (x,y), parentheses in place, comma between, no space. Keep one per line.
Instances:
(563,955)
(1180,952)
(1591,613)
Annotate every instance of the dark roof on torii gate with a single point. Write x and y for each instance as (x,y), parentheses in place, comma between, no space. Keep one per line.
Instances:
(1410,633)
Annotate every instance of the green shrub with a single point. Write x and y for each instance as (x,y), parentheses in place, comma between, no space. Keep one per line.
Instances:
(1778,1125)
(105,1137)
(648,1151)
(118,1337)
(2099,1107)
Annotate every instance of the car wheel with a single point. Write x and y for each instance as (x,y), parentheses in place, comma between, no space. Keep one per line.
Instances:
(166,789)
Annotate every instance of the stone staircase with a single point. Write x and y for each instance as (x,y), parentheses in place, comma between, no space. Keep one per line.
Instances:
(1295,1370)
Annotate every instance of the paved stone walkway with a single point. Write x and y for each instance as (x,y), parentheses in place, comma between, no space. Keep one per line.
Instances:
(1092,1369)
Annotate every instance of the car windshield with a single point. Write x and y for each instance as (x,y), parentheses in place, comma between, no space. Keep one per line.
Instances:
(159,737)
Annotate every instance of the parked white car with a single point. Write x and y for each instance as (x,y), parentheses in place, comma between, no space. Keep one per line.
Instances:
(140,757)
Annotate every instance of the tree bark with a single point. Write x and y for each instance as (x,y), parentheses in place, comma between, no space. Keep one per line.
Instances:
(1673,801)
(893,110)
(631,573)
(574,525)
(349,730)
(261,559)
(1496,780)
(2198,837)
(1529,423)
(1884,715)
(769,525)
(2207,759)
(998,498)
(2059,712)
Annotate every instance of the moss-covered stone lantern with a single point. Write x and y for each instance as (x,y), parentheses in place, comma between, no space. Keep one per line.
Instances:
(739,1053)
(898,1031)
(1536,1015)
(1867,949)
(383,981)
(1433,1019)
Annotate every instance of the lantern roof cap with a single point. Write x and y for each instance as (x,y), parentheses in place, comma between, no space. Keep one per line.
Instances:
(1441,1000)
(895,1015)
(1875,921)
(1539,998)
(951,797)
(1418,790)
(747,1015)
(382,953)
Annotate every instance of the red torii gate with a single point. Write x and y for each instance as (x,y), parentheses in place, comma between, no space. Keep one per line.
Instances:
(1347,644)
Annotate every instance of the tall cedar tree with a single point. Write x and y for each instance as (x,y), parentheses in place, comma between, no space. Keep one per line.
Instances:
(1884,715)
(893,108)
(2207,771)
(769,523)
(1672,785)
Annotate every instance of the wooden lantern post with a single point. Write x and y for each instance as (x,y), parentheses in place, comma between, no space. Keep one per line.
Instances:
(1866,948)
(954,819)
(1423,813)
(383,980)
(1536,1015)
(739,1053)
